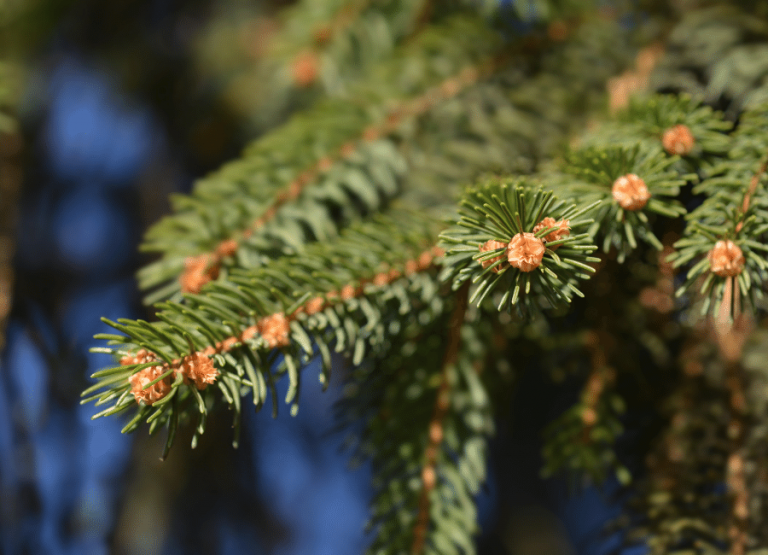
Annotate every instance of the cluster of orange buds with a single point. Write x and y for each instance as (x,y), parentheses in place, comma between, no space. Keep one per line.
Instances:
(198,270)
(143,377)
(228,247)
(525,251)
(153,393)
(197,368)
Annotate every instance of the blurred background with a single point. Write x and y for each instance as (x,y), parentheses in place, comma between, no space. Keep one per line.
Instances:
(118,105)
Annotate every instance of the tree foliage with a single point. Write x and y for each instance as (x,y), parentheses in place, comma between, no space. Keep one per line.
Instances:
(450,178)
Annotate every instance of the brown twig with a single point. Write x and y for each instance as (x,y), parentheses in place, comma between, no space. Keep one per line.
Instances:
(10,185)
(600,377)
(205,267)
(273,328)
(344,18)
(442,403)
(732,328)
(753,183)
(731,332)
(621,88)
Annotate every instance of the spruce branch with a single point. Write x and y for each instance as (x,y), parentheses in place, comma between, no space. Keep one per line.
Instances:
(268,65)
(279,221)
(681,124)
(278,167)
(512,237)
(436,424)
(347,295)
(630,183)
(222,325)
(299,249)
(581,442)
(422,416)
(724,239)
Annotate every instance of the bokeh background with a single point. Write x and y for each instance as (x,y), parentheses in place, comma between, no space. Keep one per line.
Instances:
(120,104)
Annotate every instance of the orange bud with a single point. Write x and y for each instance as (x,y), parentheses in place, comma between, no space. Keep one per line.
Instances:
(726,259)
(525,252)
(678,140)
(561,232)
(492,246)
(630,192)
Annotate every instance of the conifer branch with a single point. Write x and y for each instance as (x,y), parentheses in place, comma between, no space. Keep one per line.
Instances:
(346,295)
(723,236)
(581,442)
(312,255)
(424,436)
(290,232)
(260,172)
(307,51)
(10,181)
(732,328)
(428,472)
(206,266)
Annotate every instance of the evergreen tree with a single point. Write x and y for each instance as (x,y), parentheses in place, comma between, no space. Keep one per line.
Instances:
(449,196)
